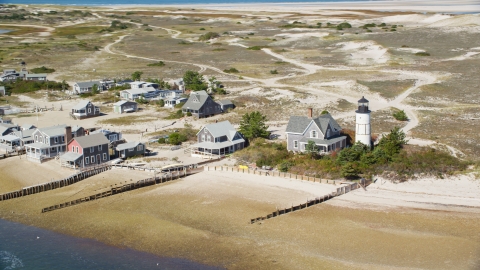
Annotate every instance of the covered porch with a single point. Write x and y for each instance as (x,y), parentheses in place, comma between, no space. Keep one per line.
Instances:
(39,151)
(326,145)
(215,150)
(10,141)
(72,160)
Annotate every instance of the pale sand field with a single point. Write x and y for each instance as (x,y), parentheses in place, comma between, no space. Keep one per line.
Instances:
(205,217)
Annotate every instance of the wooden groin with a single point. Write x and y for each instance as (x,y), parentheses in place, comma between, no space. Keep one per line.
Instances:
(125,188)
(347,187)
(84,174)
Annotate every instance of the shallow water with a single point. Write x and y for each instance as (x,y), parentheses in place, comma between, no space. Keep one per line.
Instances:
(3,31)
(27,247)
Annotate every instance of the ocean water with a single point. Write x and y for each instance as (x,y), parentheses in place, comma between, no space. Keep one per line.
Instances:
(27,247)
(164,2)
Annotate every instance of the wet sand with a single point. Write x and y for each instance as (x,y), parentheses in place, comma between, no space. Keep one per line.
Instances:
(205,218)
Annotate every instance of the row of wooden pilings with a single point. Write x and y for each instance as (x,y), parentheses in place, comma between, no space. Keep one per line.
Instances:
(55,184)
(127,187)
(340,190)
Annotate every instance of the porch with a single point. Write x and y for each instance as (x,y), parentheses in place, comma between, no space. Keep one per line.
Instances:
(40,151)
(72,160)
(215,150)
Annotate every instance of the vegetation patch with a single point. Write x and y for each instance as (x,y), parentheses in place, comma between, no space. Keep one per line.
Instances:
(42,69)
(127,120)
(208,36)
(231,70)
(157,64)
(76,30)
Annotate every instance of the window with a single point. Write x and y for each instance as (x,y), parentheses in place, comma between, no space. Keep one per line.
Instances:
(100,147)
(104,156)
(36,138)
(52,149)
(86,160)
(77,149)
(93,159)
(140,147)
(209,139)
(89,110)
(313,134)
(203,137)
(56,139)
(91,149)
(295,144)
(130,150)
(63,138)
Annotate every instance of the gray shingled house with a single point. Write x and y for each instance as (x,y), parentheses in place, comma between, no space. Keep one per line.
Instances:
(85,109)
(217,139)
(323,130)
(226,105)
(86,151)
(200,104)
(131,149)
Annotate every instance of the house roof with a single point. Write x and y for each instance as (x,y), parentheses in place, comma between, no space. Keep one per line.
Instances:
(102,131)
(38,145)
(298,124)
(25,134)
(222,129)
(128,145)
(32,75)
(70,156)
(53,130)
(196,100)
(91,140)
(122,102)
(10,138)
(27,126)
(82,104)
(324,141)
(225,102)
(88,84)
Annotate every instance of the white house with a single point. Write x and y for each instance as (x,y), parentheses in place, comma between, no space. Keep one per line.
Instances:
(171,102)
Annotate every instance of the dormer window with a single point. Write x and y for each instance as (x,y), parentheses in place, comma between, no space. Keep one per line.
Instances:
(313,134)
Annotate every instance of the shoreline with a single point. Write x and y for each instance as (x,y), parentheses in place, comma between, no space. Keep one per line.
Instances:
(448,6)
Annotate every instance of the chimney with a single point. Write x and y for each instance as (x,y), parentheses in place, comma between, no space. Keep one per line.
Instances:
(310,112)
(68,135)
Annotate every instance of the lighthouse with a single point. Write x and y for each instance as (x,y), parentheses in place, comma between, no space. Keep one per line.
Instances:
(362,129)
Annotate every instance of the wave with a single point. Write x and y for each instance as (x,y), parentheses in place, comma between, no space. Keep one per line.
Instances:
(9,261)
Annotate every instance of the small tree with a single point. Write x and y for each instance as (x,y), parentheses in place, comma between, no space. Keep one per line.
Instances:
(137,75)
(392,143)
(95,89)
(194,81)
(161,103)
(400,115)
(350,170)
(253,125)
(311,149)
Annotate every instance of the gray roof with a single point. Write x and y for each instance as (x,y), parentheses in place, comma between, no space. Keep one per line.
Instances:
(25,134)
(53,130)
(32,75)
(103,131)
(225,102)
(88,84)
(128,145)
(122,102)
(222,129)
(298,124)
(82,104)
(70,156)
(324,141)
(27,126)
(92,140)
(196,100)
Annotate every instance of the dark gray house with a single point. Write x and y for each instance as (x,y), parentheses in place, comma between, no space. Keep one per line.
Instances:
(200,104)
(131,149)
(217,139)
(86,151)
(85,109)
(226,105)
(125,106)
(323,130)
(50,141)
(112,136)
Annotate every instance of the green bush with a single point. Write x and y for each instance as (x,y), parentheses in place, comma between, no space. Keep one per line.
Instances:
(208,36)
(422,54)
(255,48)
(42,69)
(231,70)
(400,115)
(157,64)
(161,140)
(189,114)
(177,138)
(274,71)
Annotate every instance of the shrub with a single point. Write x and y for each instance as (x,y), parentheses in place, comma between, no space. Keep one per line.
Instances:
(42,69)
(189,114)
(202,28)
(344,25)
(255,48)
(177,138)
(158,64)
(208,36)
(274,71)
(231,70)
(175,115)
(148,29)
(400,115)
(161,140)
(161,103)
(422,54)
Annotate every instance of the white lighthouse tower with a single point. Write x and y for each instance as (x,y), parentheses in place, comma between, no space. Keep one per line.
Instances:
(362,129)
